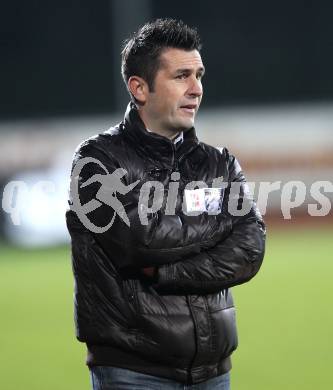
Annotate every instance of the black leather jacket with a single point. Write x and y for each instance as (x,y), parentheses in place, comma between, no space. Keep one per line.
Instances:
(179,324)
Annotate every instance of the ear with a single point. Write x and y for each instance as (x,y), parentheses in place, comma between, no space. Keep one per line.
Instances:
(138,88)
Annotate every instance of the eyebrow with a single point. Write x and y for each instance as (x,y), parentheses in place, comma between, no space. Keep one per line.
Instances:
(188,70)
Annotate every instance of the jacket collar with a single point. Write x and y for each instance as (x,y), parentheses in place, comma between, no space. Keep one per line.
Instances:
(154,146)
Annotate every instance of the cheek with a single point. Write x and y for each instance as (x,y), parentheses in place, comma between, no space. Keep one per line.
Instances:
(173,99)
(168,104)
(168,99)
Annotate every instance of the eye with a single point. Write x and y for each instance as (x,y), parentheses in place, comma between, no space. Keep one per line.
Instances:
(181,76)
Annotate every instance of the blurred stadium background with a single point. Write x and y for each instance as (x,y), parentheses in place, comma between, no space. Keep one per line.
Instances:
(268,98)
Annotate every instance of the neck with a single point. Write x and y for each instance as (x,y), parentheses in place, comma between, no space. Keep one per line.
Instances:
(155,128)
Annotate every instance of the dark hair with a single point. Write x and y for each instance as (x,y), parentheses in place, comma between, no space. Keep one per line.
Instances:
(141,53)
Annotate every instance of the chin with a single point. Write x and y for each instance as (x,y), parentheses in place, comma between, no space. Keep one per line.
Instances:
(185,125)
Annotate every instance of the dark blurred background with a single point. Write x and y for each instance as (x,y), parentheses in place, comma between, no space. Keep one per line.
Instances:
(62,58)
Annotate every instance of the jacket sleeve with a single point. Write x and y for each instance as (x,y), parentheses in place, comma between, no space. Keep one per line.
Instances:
(232,261)
(79,219)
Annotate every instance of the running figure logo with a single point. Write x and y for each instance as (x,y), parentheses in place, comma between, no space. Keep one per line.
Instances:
(111,185)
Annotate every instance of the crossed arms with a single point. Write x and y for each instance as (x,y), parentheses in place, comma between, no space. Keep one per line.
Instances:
(233,260)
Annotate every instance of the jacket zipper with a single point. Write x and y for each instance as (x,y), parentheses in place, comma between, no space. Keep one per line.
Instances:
(175,161)
(189,370)
(175,168)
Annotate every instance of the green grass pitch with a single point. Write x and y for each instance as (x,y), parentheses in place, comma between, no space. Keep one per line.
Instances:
(285,319)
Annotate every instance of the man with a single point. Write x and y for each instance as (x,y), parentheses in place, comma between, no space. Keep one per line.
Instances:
(152,278)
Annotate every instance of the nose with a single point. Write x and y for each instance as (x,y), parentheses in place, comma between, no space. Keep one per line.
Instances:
(195,88)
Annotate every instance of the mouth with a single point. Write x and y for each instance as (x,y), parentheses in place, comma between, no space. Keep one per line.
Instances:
(189,108)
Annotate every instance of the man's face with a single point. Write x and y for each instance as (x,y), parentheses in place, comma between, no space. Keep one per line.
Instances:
(177,94)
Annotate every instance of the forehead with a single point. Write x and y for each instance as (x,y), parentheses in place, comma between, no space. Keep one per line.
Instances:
(173,59)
